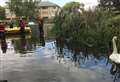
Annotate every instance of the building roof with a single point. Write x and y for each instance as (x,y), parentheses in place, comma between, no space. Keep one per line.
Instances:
(47,4)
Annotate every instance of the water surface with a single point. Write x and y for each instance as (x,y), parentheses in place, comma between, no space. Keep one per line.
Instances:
(32,58)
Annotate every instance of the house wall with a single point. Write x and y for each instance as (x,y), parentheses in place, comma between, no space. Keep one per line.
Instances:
(45,12)
(48,12)
(9,14)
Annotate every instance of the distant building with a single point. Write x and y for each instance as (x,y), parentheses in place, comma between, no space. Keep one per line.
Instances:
(48,9)
(9,14)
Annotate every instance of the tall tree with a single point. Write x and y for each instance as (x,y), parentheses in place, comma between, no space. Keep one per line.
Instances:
(2,13)
(91,28)
(73,6)
(23,7)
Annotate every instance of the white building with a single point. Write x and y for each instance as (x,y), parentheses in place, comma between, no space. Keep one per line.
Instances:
(48,9)
(9,14)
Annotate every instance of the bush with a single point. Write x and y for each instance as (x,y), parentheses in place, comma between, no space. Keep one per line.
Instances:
(91,29)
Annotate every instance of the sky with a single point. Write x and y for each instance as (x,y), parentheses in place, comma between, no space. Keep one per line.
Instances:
(88,3)
(2,2)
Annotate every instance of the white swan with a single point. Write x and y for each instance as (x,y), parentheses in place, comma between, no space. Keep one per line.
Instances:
(115,57)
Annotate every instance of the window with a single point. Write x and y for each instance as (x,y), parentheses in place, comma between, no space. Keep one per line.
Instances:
(54,7)
(44,7)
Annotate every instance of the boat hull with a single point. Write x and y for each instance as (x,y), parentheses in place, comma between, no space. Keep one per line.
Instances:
(16,30)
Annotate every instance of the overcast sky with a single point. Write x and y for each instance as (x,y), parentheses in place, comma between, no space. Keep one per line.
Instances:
(62,2)
(2,2)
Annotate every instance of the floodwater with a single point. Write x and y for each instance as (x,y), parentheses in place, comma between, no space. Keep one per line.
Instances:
(33,58)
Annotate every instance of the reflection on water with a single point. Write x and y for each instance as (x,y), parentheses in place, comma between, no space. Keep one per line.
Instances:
(52,61)
(42,41)
(3,45)
(23,43)
(115,70)
(90,62)
(86,57)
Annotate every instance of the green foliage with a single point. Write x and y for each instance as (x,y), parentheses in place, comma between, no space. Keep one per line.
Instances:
(2,13)
(23,7)
(67,14)
(72,6)
(111,5)
(92,29)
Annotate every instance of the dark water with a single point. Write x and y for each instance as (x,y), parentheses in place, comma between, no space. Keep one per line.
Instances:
(33,58)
